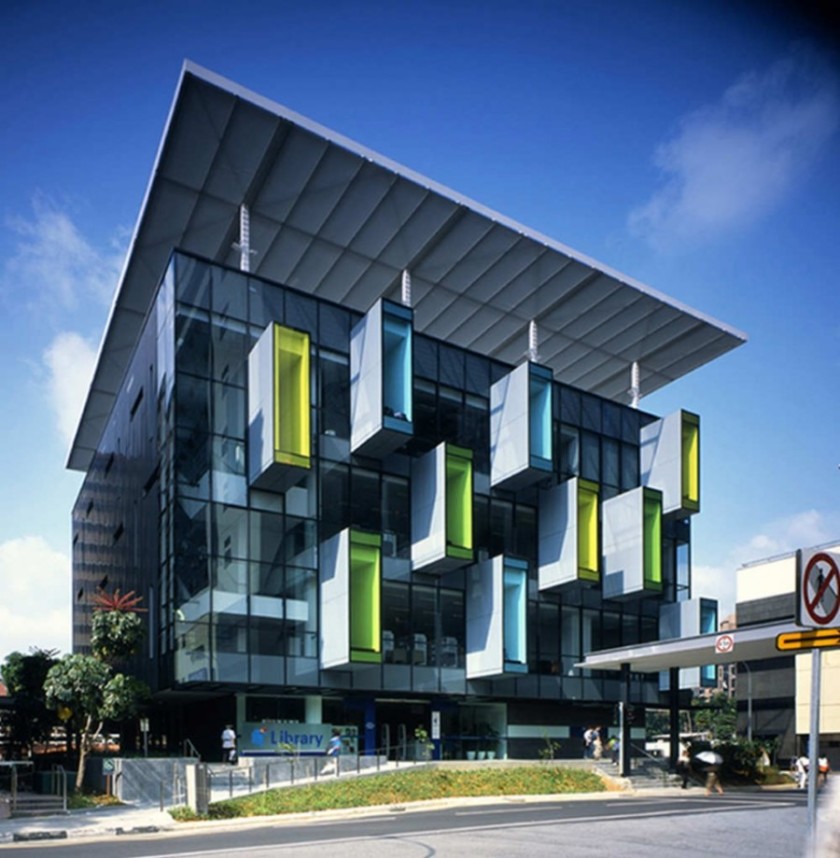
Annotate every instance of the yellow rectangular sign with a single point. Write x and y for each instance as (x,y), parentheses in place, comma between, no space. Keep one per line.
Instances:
(810,639)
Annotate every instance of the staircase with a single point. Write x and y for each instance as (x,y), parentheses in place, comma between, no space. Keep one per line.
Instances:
(32,804)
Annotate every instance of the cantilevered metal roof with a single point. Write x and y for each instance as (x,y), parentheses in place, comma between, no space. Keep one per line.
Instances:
(750,643)
(336,220)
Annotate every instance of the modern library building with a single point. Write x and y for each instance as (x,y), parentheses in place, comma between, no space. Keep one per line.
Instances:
(373,456)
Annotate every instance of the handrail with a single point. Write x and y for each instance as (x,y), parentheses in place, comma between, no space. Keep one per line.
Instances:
(663,766)
(190,750)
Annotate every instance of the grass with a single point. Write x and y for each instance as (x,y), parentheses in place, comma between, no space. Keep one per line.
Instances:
(401,787)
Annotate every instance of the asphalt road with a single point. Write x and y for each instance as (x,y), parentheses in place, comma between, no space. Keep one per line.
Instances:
(769,825)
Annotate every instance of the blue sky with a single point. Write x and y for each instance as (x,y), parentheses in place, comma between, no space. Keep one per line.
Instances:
(691,145)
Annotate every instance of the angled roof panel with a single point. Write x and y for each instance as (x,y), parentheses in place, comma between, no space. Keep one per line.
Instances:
(337,220)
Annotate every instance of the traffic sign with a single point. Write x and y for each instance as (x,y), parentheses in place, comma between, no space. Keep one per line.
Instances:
(724,644)
(811,639)
(818,586)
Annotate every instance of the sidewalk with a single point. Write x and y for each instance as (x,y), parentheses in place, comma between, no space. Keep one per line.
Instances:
(138,820)
(123,819)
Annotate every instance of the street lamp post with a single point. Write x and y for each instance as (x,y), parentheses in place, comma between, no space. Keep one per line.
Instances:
(749,702)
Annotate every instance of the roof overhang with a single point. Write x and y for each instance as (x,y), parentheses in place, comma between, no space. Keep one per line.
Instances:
(341,222)
(751,643)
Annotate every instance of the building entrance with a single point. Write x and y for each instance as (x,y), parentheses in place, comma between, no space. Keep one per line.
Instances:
(396,721)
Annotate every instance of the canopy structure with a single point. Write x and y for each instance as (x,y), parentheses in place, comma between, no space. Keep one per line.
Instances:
(747,644)
(331,218)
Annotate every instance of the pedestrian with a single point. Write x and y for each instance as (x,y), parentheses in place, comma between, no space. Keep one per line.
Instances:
(588,742)
(597,745)
(802,771)
(684,766)
(824,768)
(229,745)
(615,750)
(713,780)
(332,752)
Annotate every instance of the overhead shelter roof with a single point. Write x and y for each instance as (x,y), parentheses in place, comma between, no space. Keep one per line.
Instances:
(341,222)
(750,643)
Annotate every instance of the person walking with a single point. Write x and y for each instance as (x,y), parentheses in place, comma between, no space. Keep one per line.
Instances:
(684,766)
(713,780)
(229,745)
(333,751)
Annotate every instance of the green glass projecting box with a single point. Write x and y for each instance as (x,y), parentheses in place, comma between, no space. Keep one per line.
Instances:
(568,551)
(351,599)
(442,509)
(632,544)
(279,406)
(669,459)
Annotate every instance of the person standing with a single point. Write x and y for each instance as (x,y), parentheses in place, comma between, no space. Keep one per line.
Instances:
(229,744)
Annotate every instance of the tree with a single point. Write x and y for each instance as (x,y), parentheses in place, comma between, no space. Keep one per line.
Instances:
(719,717)
(87,687)
(31,720)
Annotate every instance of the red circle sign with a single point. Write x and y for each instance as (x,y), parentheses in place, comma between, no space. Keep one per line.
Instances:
(724,644)
(821,589)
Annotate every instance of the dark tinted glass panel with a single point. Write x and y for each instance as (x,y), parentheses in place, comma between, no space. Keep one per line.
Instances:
(230,294)
(192,402)
(266,304)
(630,424)
(425,412)
(395,623)
(192,342)
(451,367)
(449,416)
(589,457)
(477,375)
(335,327)
(335,498)
(335,395)
(302,313)
(570,406)
(192,284)
(231,344)
(629,467)
(609,462)
(365,508)
(425,358)
(611,414)
(591,413)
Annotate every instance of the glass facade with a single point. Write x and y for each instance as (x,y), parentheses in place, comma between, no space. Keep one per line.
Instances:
(230,572)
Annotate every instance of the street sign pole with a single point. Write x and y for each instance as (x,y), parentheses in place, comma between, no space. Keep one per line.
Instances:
(814,747)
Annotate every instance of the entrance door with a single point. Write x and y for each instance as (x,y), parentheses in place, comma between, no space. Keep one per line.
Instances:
(401,718)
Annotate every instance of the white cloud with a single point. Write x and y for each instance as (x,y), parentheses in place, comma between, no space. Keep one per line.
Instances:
(55,265)
(34,596)
(802,530)
(730,163)
(70,361)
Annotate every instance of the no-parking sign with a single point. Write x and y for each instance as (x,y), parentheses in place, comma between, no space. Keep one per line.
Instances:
(818,589)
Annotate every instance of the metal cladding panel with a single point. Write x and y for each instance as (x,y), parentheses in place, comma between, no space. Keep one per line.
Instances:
(366,378)
(485,619)
(683,620)
(557,546)
(509,426)
(375,430)
(261,406)
(428,508)
(335,601)
(623,545)
(668,464)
